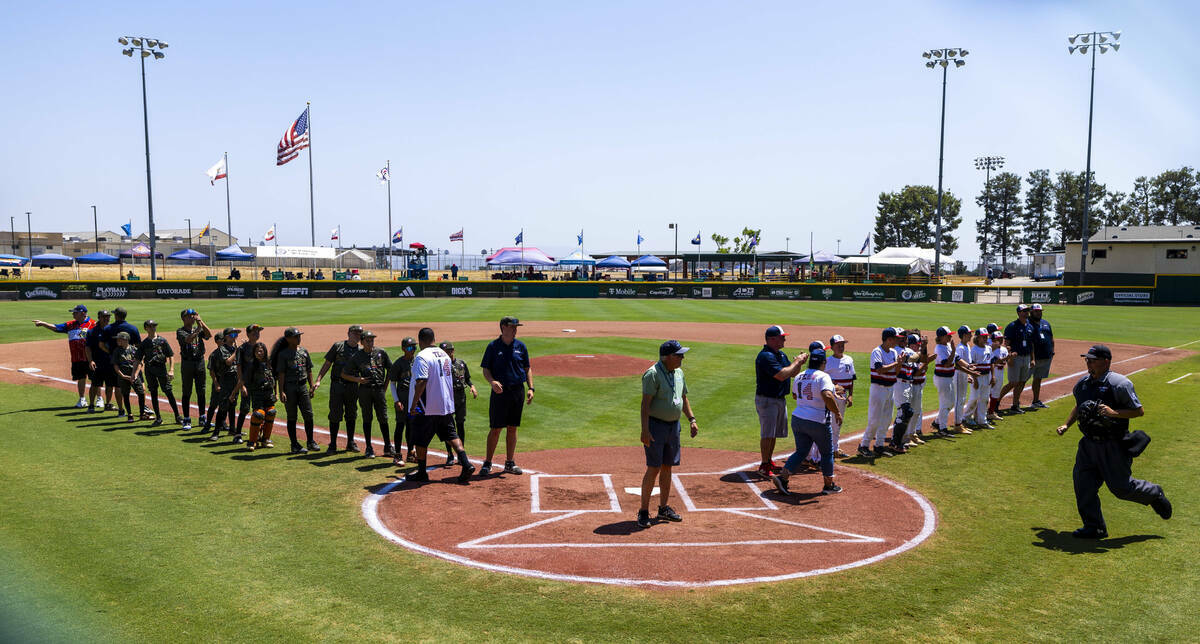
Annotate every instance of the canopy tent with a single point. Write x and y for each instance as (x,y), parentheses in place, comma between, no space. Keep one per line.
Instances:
(577,258)
(140,251)
(819,257)
(646,261)
(186,255)
(354,258)
(613,261)
(234,254)
(889,265)
(51,260)
(13,260)
(97,258)
(529,256)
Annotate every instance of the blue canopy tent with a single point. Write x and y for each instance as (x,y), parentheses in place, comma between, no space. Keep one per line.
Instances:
(51,260)
(13,260)
(234,254)
(97,258)
(613,261)
(648,261)
(187,255)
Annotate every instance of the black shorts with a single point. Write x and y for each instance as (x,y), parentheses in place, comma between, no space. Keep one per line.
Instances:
(504,409)
(425,428)
(104,375)
(80,370)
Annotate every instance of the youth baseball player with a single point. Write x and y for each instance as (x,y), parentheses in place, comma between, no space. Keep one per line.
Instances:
(918,369)
(157,355)
(962,378)
(343,392)
(368,369)
(245,355)
(128,364)
(294,376)
(840,367)
(191,337)
(260,382)
(225,374)
(981,361)
(999,362)
(885,365)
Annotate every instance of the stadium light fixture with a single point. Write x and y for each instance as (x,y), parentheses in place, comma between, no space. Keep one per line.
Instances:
(162,45)
(123,40)
(137,42)
(140,44)
(128,52)
(942,58)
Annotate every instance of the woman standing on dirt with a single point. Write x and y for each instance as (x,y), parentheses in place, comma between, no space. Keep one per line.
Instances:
(259,381)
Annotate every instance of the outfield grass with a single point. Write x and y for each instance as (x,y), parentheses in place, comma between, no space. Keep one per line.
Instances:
(1157,326)
(112,532)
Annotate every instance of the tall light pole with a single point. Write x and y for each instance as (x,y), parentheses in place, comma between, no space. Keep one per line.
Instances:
(29,236)
(675,227)
(987,164)
(145,49)
(1092,40)
(96,228)
(942,58)
(189,231)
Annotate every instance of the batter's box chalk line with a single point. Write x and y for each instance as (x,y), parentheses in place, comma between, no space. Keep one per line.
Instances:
(614,505)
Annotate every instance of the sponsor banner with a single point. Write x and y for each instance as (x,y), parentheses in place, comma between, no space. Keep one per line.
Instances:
(408,290)
(915,294)
(110,292)
(1041,297)
(785,292)
(868,293)
(353,291)
(1131,297)
(661,291)
(962,295)
(50,292)
(826,292)
(621,291)
(704,292)
(1086,297)
(173,291)
(462,291)
(295,252)
(742,292)
(235,291)
(293,291)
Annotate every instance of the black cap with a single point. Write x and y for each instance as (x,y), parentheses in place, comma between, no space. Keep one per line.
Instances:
(253,326)
(672,347)
(120,310)
(408,343)
(103,313)
(446,346)
(889,332)
(816,357)
(368,334)
(964,329)
(230,331)
(292,332)
(775,331)
(149,323)
(508,320)
(992,326)
(1098,352)
(357,328)
(217,336)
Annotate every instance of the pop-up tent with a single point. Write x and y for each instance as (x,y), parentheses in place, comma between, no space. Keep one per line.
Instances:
(140,251)
(187,255)
(646,261)
(577,258)
(819,257)
(613,261)
(528,256)
(97,258)
(13,260)
(234,254)
(51,260)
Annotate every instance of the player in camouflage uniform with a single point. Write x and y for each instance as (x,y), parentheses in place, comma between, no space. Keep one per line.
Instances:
(462,382)
(226,375)
(245,355)
(399,380)
(127,361)
(156,353)
(368,369)
(209,417)
(294,373)
(191,337)
(258,381)
(343,394)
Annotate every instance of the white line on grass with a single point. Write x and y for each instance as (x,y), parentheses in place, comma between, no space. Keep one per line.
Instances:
(1171,382)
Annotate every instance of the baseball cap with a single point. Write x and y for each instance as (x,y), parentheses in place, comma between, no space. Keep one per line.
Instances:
(1098,352)
(120,310)
(446,346)
(1035,307)
(982,331)
(290,332)
(218,336)
(943,331)
(368,334)
(230,331)
(672,347)
(889,332)
(964,329)
(149,323)
(992,326)
(103,313)
(775,331)
(996,335)
(357,328)
(1022,307)
(816,357)
(913,338)
(836,339)
(122,336)
(408,343)
(508,320)
(254,327)
(79,308)
(187,312)
(816,345)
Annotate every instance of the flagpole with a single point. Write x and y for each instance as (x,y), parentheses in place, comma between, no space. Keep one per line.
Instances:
(212,250)
(388,167)
(312,216)
(462,250)
(228,215)
(696,273)
(275,238)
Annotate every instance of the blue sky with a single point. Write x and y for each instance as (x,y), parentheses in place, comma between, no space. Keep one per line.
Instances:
(556,116)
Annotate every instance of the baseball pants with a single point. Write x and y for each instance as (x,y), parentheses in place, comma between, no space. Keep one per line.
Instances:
(298,399)
(160,381)
(124,387)
(977,403)
(960,396)
(997,387)
(916,397)
(373,403)
(225,405)
(1105,462)
(879,416)
(343,404)
(460,419)
(191,373)
(945,390)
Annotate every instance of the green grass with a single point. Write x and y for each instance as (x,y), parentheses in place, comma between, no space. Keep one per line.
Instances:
(109,534)
(1157,326)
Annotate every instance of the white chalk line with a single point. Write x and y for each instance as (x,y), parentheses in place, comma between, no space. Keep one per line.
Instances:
(1171,382)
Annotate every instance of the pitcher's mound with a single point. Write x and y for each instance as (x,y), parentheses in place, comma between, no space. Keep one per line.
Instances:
(587,365)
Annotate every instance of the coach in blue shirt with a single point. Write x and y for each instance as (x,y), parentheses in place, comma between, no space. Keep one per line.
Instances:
(1019,337)
(772,379)
(506,368)
(1043,352)
(109,335)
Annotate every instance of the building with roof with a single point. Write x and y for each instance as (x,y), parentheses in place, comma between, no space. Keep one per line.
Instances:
(1137,256)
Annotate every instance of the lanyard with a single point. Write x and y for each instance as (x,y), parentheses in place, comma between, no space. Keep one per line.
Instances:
(669,376)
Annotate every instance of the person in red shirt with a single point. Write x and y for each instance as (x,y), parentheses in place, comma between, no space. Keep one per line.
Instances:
(76,330)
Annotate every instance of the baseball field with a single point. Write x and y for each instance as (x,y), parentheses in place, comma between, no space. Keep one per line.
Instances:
(115,531)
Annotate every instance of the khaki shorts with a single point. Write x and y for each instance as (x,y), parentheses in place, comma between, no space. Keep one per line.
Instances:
(1018,369)
(1041,370)
(772,417)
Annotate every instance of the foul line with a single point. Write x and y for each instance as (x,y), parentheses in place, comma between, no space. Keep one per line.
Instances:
(1171,382)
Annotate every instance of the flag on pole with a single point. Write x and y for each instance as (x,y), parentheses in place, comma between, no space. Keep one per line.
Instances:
(458,236)
(207,230)
(696,239)
(520,238)
(866,243)
(216,172)
(270,236)
(333,234)
(294,139)
(640,239)
(398,236)
(128,228)
(384,176)
(753,241)
(580,237)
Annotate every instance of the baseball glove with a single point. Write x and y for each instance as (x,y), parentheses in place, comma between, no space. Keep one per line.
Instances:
(1092,422)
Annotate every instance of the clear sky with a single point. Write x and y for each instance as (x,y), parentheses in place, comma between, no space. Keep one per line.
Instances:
(608,116)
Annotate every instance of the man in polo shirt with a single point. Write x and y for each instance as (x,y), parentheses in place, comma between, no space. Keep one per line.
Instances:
(664,398)
(772,381)
(101,366)
(506,368)
(1019,335)
(77,330)
(1043,352)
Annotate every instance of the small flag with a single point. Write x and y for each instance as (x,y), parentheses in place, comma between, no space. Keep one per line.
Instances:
(458,236)
(520,238)
(696,240)
(866,243)
(580,237)
(753,241)
(128,228)
(207,231)
(384,176)
(398,236)
(294,140)
(270,236)
(640,239)
(333,234)
(216,172)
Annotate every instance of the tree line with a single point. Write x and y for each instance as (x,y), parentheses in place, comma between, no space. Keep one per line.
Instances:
(1036,213)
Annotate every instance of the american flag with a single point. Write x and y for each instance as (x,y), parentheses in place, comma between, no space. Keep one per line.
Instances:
(294,140)
(458,236)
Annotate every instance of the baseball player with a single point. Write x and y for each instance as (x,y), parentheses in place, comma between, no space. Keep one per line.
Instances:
(368,370)
(999,362)
(209,417)
(946,367)
(293,372)
(100,365)
(981,361)
(992,328)
(816,406)
(399,379)
(840,367)
(225,374)
(916,372)
(128,364)
(258,380)
(962,378)
(76,330)
(431,404)
(462,382)
(343,392)
(885,365)
(245,355)
(157,355)
(191,337)
(902,392)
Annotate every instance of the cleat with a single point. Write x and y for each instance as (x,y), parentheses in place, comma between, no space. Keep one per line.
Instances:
(780,480)
(1015,410)
(1037,404)
(238,440)
(510,467)
(353,447)
(81,404)
(332,448)
(215,435)
(1162,506)
(450,460)
(467,471)
(1090,533)
(416,477)
(387,451)
(865,452)
(157,422)
(882,452)
(370,453)
(666,513)
(833,488)
(643,518)
(486,469)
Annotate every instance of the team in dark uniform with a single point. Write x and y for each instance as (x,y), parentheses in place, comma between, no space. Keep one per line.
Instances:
(399,380)
(191,337)
(157,354)
(343,393)
(100,362)
(225,373)
(108,342)
(368,369)
(128,365)
(258,380)
(294,373)
(245,355)
(462,382)
(209,416)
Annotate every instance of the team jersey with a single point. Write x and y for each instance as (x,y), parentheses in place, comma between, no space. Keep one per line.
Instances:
(962,352)
(260,382)
(372,365)
(156,352)
(462,379)
(77,333)
(434,367)
(981,359)
(999,359)
(905,372)
(881,357)
(191,347)
(807,387)
(340,354)
(841,370)
(296,365)
(943,361)
(225,371)
(126,360)
(917,370)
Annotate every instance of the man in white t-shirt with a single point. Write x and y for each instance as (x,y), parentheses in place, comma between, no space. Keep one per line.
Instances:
(431,406)
(999,362)
(816,407)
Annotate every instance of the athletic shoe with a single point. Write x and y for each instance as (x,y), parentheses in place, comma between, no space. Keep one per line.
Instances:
(897,449)
(156,423)
(267,443)
(215,435)
(238,440)
(332,448)
(840,454)
(110,407)
(1162,506)
(832,488)
(510,467)
(486,469)
(297,448)
(643,518)
(353,447)
(250,447)
(865,452)
(465,475)
(911,443)
(416,477)
(147,416)
(780,480)
(387,450)
(81,404)
(129,418)
(449,460)
(964,430)
(1037,404)
(1015,410)
(312,446)
(667,513)
(412,456)
(370,453)
(882,452)
(203,420)
(916,439)
(99,401)
(1090,533)
(178,420)
(764,470)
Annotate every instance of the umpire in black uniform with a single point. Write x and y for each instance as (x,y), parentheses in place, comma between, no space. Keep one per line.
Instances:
(1104,403)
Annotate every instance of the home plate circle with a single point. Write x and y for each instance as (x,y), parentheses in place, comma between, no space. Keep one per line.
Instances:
(571,517)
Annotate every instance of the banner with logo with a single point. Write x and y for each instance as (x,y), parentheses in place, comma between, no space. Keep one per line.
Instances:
(826,292)
(235,291)
(619,291)
(915,294)
(960,295)
(702,292)
(293,291)
(353,291)
(106,292)
(39,292)
(661,291)
(743,292)
(1040,296)
(785,292)
(1131,297)
(461,291)
(408,290)
(868,293)
(173,291)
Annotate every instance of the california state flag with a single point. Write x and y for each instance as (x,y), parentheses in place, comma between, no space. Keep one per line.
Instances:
(270,236)
(216,172)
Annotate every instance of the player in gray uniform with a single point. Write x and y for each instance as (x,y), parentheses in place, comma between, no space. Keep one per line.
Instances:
(156,353)
(293,371)
(127,362)
(343,392)
(462,382)
(367,369)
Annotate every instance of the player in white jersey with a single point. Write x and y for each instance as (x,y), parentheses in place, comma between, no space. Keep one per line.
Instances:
(840,367)
(946,365)
(917,368)
(885,365)
(981,360)
(999,362)
(962,377)
(812,419)
(431,406)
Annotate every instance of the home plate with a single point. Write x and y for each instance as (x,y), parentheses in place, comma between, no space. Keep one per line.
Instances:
(637,491)
(29,370)
(568,330)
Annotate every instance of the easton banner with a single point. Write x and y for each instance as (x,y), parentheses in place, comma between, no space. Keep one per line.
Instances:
(353,291)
